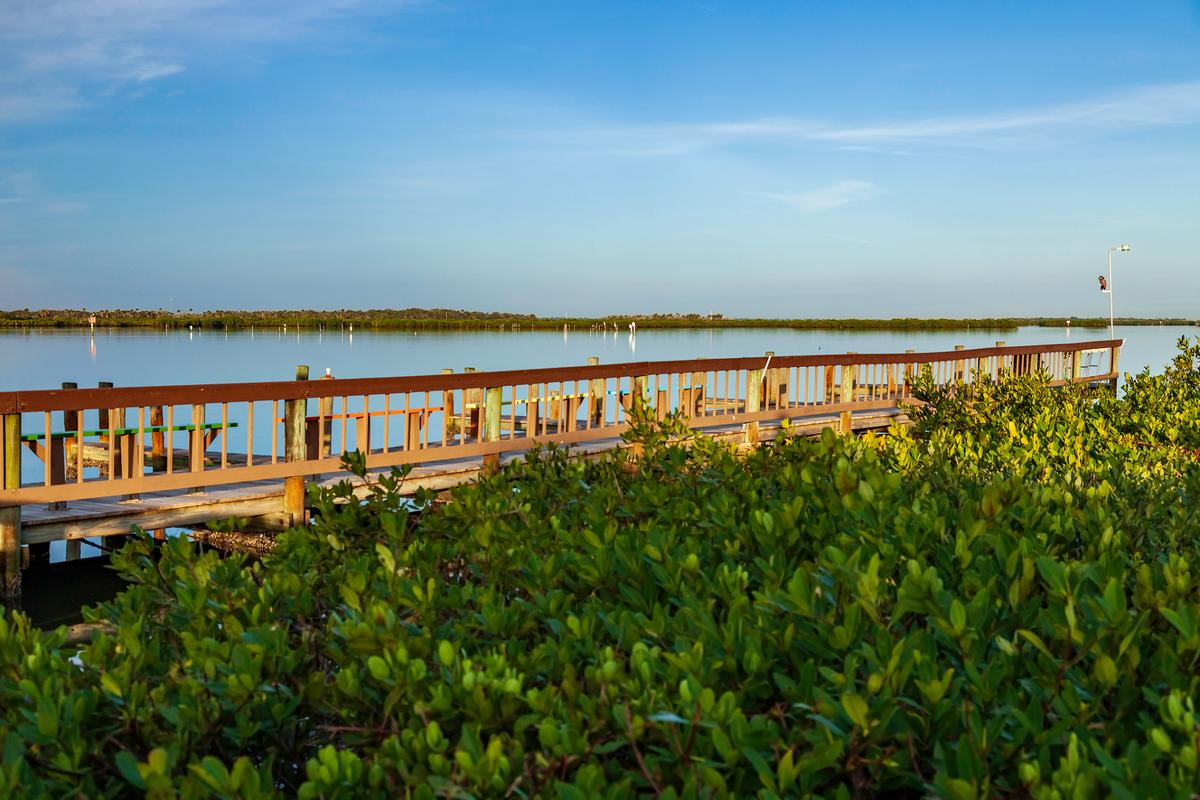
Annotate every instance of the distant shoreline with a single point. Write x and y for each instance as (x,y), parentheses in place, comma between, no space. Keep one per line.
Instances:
(414,319)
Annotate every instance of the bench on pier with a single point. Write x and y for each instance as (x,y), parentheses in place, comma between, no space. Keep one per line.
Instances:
(54,454)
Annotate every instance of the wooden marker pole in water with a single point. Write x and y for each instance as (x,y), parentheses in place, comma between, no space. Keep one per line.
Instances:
(10,517)
(294,412)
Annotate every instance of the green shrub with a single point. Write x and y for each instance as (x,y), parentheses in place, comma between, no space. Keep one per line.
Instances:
(999,602)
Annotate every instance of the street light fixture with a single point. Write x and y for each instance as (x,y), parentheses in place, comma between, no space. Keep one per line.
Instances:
(1121,248)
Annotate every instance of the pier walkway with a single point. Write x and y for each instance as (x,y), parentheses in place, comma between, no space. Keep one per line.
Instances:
(82,463)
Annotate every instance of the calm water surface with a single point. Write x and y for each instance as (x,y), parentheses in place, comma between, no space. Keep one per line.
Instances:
(39,359)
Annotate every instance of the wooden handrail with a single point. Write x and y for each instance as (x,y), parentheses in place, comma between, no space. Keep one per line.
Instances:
(196,394)
(465,415)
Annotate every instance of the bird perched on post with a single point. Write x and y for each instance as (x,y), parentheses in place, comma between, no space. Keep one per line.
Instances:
(1103,284)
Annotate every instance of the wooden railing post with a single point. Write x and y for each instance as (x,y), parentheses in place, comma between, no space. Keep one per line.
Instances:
(158,442)
(1076,365)
(847,395)
(641,385)
(10,516)
(908,372)
(1114,354)
(770,382)
(196,444)
(999,363)
(448,424)
(754,381)
(492,417)
(294,412)
(65,450)
(598,387)
(959,365)
(472,402)
(59,451)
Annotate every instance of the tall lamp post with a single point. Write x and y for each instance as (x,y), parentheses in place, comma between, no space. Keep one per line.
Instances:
(1121,248)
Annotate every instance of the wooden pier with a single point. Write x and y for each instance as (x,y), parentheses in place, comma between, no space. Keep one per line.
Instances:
(84,463)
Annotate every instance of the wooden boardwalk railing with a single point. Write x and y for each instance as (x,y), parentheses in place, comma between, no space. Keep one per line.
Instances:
(125,442)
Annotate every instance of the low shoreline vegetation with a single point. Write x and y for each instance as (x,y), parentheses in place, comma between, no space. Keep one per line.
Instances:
(997,602)
(422,319)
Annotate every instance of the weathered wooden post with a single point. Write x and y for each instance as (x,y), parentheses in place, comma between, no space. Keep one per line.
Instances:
(597,387)
(472,403)
(959,365)
(448,425)
(754,382)
(640,386)
(1076,365)
(998,363)
(493,400)
(770,382)
(1114,354)
(294,412)
(908,372)
(158,446)
(10,516)
(196,442)
(72,421)
(325,410)
(847,395)
(60,453)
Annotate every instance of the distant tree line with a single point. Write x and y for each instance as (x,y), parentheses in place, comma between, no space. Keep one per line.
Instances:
(416,319)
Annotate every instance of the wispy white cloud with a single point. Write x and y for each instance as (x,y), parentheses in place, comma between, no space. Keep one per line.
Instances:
(59,55)
(1139,108)
(23,191)
(844,237)
(825,198)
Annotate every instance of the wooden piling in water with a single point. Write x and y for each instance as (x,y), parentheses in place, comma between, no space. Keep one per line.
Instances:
(10,516)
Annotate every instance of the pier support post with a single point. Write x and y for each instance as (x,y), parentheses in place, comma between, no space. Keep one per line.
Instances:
(1114,353)
(66,451)
(959,366)
(294,412)
(770,384)
(472,402)
(1000,362)
(10,516)
(847,383)
(158,444)
(909,370)
(196,446)
(1076,365)
(448,415)
(493,399)
(754,382)
(846,423)
(598,387)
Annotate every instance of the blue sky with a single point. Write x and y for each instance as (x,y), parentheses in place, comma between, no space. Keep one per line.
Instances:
(756,159)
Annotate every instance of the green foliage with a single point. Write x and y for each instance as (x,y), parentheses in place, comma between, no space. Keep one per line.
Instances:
(998,602)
